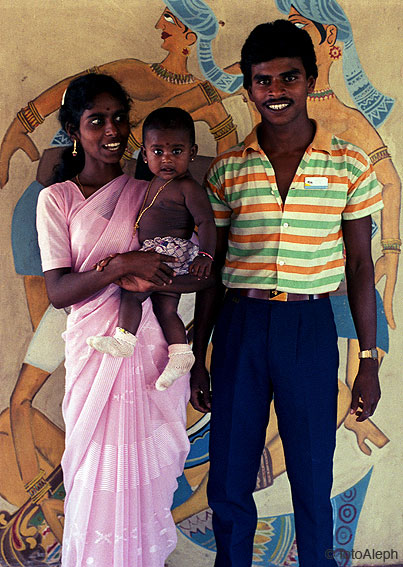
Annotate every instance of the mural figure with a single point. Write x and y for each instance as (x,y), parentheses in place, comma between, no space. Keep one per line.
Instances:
(326,23)
(168,83)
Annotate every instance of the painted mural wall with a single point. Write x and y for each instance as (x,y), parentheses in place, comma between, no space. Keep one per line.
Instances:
(169,53)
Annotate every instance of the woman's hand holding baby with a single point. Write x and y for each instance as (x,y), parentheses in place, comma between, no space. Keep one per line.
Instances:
(149,266)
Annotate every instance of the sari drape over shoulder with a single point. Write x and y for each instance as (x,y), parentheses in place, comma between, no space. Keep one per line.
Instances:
(125,441)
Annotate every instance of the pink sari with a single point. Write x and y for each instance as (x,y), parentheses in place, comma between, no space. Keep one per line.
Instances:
(125,441)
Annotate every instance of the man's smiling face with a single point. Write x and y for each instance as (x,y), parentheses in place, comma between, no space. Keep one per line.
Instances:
(279,89)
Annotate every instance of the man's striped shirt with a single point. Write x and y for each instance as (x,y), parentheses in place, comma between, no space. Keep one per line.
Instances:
(297,247)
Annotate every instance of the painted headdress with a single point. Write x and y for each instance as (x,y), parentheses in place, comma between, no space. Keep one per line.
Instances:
(375,106)
(202,21)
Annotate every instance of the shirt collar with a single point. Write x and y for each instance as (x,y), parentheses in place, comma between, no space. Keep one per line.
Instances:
(322,140)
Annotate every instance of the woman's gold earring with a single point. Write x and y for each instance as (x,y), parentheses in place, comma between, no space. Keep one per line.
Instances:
(74,152)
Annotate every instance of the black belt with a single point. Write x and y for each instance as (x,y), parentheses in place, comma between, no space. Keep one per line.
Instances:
(274,295)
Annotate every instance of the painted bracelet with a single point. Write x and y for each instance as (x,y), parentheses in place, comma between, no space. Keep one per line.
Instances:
(391,245)
(223,129)
(38,487)
(30,117)
(201,253)
(210,92)
(379,154)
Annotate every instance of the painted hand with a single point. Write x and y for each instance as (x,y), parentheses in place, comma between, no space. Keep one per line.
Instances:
(16,138)
(386,266)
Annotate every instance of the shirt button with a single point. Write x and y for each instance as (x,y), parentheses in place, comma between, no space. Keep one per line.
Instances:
(281,262)
(286,225)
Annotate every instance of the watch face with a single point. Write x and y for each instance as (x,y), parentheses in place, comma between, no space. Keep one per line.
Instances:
(374,353)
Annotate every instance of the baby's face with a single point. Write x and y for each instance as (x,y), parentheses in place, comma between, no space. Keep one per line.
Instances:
(168,152)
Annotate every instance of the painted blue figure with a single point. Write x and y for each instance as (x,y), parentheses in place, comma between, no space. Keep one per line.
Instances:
(328,25)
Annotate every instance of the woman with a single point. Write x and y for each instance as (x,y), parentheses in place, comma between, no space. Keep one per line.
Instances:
(125,441)
(183,26)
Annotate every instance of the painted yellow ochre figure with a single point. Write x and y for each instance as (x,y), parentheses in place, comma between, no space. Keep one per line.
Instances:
(332,36)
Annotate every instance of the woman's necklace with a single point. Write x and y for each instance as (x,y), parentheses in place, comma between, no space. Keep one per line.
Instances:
(80,186)
(176,78)
(143,209)
(324,94)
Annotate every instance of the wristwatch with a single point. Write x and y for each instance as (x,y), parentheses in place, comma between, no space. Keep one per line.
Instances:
(370,353)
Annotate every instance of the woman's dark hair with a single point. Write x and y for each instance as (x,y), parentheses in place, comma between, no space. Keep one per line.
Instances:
(170,118)
(80,96)
(276,39)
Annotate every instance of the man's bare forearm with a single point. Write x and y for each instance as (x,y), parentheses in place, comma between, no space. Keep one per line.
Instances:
(361,295)
(207,306)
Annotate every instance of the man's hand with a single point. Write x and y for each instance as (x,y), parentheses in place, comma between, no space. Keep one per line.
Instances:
(366,390)
(200,386)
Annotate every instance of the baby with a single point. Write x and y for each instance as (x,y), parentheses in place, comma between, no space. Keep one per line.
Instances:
(173,204)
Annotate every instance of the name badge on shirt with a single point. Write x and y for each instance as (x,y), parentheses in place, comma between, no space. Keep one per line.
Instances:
(316,182)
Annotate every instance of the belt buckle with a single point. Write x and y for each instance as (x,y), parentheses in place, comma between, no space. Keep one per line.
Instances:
(278,295)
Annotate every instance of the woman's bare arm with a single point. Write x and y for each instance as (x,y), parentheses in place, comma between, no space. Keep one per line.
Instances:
(66,288)
(179,284)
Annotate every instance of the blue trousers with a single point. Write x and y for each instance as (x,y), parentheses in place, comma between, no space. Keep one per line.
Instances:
(286,351)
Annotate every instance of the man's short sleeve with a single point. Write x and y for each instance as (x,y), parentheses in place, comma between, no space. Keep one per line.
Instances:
(53,232)
(215,187)
(364,194)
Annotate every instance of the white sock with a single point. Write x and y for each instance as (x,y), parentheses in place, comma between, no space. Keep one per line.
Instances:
(120,345)
(181,360)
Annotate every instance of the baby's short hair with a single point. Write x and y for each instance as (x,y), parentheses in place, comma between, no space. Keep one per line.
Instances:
(170,118)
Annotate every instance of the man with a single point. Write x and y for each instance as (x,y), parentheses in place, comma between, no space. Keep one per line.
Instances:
(284,201)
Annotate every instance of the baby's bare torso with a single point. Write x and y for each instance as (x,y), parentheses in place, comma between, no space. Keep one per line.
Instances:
(168,216)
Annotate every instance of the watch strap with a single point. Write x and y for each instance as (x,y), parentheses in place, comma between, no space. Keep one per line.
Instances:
(370,353)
